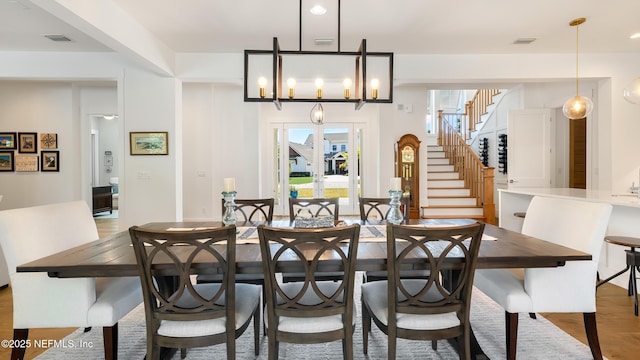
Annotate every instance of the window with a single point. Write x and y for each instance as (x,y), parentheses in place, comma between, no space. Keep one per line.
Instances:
(343,147)
(334,147)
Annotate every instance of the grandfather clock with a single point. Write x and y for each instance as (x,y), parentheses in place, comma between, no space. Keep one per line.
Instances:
(407,168)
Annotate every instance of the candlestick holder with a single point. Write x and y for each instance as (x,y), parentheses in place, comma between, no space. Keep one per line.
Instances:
(395,215)
(230,216)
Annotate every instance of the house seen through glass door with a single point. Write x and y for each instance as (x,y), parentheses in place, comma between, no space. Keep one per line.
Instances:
(320,162)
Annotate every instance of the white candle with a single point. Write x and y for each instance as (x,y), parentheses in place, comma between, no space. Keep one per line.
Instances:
(229,184)
(396,184)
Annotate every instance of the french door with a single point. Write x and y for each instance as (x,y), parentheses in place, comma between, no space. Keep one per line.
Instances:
(311,161)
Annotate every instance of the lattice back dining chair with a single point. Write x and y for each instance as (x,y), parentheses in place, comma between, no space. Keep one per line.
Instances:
(180,314)
(379,208)
(253,210)
(248,211)
(310,311)
(39,301)
(579,225)
(317,207)
(424,309)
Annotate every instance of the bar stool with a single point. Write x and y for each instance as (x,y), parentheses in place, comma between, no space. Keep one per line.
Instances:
(633,264)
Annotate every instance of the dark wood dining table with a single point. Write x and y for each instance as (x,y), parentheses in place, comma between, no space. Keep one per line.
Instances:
(113,256)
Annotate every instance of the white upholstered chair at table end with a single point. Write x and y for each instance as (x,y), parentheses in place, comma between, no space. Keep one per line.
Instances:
(570,288)
(39,301)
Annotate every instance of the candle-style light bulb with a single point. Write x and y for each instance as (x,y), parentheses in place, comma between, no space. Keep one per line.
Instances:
(262,83)
(319,84)
(347,88)
(291,83)
(375,84)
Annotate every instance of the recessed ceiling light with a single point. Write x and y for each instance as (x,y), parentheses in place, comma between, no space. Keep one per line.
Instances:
(635,36)
(57,37)
(318,10)
(524,41)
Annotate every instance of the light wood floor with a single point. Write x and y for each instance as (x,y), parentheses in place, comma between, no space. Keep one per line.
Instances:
(618,328)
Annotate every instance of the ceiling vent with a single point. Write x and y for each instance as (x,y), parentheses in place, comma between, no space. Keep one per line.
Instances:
(57,37)
(524,41)
(323,42)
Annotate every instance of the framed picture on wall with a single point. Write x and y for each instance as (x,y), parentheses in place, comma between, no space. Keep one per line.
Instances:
(26,163)
(149,143)
(6,161)
(28,142)
(48,141)
(7,140)
(49,160)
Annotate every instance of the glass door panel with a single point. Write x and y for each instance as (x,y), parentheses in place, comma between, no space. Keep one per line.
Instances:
(336,151)
(318,161)
(302,174)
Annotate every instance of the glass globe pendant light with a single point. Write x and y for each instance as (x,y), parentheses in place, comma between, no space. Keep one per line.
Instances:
(631,92)
(577,107)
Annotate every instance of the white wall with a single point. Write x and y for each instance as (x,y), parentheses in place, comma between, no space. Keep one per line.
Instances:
(148,102)
(41,107)
(152,186)
(221,139)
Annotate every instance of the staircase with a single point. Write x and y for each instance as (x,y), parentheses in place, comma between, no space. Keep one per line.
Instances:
(448,195)
(458,184)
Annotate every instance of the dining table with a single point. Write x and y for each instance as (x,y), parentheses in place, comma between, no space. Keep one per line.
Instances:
(113,255)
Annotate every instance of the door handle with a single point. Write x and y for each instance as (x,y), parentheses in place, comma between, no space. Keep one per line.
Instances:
(511,181)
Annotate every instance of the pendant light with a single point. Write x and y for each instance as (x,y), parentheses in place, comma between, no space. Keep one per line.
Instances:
(577,107)
(317,114)
(631,92)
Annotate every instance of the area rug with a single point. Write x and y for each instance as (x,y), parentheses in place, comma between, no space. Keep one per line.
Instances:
(537,339)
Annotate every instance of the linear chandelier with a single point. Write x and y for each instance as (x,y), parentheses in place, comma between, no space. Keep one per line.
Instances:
(281,76)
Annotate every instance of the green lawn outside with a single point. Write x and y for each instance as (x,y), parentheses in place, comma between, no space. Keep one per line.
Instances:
(300,180)
(308,192)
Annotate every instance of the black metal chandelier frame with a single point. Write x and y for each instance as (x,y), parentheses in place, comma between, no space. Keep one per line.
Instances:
(360,72)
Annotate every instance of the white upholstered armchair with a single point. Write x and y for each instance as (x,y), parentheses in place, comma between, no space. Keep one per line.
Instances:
(39,301)
(580,225)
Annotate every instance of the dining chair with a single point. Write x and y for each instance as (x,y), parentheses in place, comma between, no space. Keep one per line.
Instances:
(248,211)
(310,311)
(39,301)
(424,309)
(253,210)
(377,209)
(180,314)
(316,206)
(580,225)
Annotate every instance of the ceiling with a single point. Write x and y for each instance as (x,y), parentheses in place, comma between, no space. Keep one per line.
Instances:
(400,26)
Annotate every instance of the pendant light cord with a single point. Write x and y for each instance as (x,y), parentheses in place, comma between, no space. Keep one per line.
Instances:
(577,42)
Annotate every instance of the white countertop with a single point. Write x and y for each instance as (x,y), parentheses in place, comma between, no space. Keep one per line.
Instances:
(628,199)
